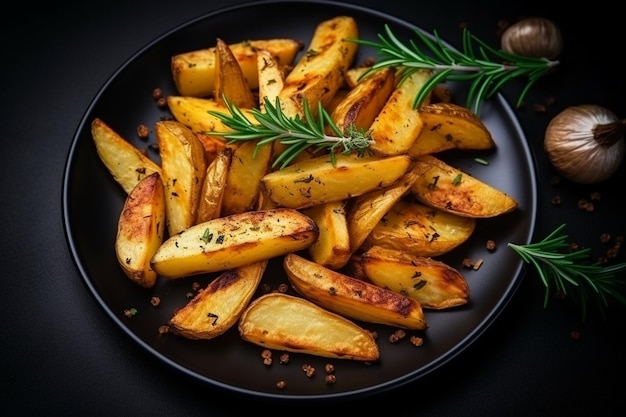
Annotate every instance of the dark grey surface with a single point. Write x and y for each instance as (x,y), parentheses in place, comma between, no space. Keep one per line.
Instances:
(61,355)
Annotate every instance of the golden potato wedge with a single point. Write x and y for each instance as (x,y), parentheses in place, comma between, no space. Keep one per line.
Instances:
(318,74)
(363,103)
(249,164)
(232,241)
(288,323)
(193,112)
(218,307)
(194,72)
(450,126)
(140,230)
(271,77)
(332,247)
(449,189)
(398,125)
(367,209)
(420,230)
(352,297)
(435,284)
(127,164)
(353,75)
(315,181)
(230,82)
(183,167)
(212,145)
(214,186)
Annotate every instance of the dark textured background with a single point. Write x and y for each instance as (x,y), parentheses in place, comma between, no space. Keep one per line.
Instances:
(61,355)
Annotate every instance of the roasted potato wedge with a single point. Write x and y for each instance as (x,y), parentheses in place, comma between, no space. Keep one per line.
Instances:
(214,186)
(352,297)
(271,78)
(140,230)
(367,209)
(230,82)
(316,180)
(127,164)
(193,112)
(450,126)
(449,189)
(232,241)
(420,230)
(332,247)
(398,125)
(319,73)
(435,284)
(218,307)
(183,167)
(248,165)
(194,72)
(288,323)
(363,103)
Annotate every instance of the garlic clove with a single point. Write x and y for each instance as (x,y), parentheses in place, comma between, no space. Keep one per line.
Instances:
(535,37)
(585,143)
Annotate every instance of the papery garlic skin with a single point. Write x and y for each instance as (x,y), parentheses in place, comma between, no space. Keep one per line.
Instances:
(535,37)
(575,151)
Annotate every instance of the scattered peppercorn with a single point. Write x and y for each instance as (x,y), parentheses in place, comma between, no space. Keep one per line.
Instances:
(605,237)
(157,93)
(130,312)
(416,341)
(195,286)
(283,288)
(330,379)
(397,335)
(539,108)
(162,103)
(585,205)
(143,131)
(281,384)
(309,370)
(329,368)
(491,245)
(284,358)
(164,329)
(556,200)
(595,196)
(575,335)
(155,301)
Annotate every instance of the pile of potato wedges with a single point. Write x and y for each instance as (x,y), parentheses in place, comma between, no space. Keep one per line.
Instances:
(358,237)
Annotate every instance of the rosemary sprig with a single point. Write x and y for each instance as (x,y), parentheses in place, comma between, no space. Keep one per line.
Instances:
(296,133)
(571,273)
(487,68)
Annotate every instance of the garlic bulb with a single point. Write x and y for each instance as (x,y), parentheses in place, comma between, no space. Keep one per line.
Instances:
(535,37)
(585,143)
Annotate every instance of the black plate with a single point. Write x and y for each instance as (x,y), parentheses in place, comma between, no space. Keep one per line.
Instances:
(93,200)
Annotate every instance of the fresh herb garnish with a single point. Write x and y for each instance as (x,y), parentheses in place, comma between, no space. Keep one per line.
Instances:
(487,68)
(296,133)
(572,273)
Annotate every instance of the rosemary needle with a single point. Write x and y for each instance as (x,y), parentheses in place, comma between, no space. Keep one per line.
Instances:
(571,273)
(487,68)
(296,133)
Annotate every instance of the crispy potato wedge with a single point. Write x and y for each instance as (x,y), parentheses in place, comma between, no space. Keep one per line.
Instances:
(218,307)
(194,72)
(230,82)
(214,186)
(127,164)
(212,145)
(367,209)
(140,230)
(183,167)
(193,112)
(363,103)
(332,247)
(288,323)
(248,165)
(315,181)
(398,125)
(232,241)
(420,230)
(352,297)
(450,126)
(271,77)
(319,73)
(353,75)
(449,189)
(433,283)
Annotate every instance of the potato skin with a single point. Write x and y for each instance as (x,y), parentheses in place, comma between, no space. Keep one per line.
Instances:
(352,297)
(140,230)
(232,241)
